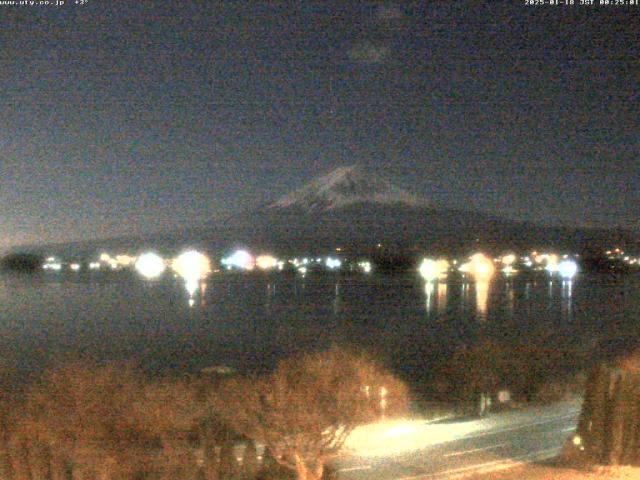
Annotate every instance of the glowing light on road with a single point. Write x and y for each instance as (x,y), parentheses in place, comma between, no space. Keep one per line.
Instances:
(192,265)
(567,269)
(266,262)
(240,259)
(150,265)
(399,437)
(75,267)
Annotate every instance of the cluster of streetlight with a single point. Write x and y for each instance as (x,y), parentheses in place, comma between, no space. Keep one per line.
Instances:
(243,260)
(482,268)
(192,266)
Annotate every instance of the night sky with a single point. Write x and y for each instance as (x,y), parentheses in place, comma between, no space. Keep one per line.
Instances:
(122,117)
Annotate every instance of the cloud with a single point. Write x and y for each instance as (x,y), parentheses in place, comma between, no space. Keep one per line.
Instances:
(389,13)
(369,53)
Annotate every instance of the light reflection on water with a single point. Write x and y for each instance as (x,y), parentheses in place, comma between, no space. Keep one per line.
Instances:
(252,320)
(429,289)
(567,297)
(442,297)
(482,298)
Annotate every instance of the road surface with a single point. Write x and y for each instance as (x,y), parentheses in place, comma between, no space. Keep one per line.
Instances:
(415,450)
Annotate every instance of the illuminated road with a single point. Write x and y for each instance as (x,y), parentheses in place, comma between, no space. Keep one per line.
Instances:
(454,449)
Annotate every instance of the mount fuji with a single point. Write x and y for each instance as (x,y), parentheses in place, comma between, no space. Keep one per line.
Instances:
(357,211)
(347,186)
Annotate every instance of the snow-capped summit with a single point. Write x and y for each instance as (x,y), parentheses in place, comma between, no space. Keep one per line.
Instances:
(346,186)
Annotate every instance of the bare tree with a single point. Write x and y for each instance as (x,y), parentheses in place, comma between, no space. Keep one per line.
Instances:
(304,411)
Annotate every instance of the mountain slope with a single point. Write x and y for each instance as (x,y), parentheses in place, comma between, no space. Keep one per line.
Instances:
(347,186)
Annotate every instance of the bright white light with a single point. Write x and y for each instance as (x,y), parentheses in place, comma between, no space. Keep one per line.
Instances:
(431,270)
(56,267)
(192,265)
(365,266)
(150,265)
(332,263)
(75,267)
(240,259)
(428,270)
(567,269)
(266,262)
(94,266)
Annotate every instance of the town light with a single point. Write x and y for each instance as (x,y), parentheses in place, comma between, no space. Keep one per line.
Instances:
(365,266)
(431,270)
(150,265)
(480,266)
(552,263)
(192,265)
(332,263)
(508,259)
(567,269)
(240,259)
(266,262)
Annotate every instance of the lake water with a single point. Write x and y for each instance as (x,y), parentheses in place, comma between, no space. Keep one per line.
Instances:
(250,321)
